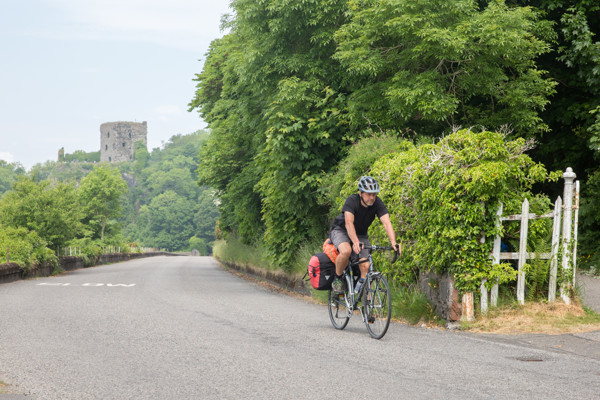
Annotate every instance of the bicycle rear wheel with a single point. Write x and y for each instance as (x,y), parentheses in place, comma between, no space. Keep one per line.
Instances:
(377,306)
(338,309)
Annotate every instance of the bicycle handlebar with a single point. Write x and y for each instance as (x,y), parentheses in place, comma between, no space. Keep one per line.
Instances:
(383,248)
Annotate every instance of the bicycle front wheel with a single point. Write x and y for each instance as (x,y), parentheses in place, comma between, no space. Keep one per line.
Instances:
(338,308)
(377,306)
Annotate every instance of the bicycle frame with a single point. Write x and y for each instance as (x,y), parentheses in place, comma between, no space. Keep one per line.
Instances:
(348,275)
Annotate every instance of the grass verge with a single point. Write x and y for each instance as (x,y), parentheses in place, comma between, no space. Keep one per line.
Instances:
(541,317)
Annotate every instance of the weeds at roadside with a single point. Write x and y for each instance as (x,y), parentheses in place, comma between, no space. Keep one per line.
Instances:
(411,305)
(536,317)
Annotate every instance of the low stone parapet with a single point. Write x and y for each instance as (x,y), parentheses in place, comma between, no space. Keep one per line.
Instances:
(11,272)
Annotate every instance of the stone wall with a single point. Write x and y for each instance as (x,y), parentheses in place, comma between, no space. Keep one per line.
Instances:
(12,272)
(441,294)
(117,140)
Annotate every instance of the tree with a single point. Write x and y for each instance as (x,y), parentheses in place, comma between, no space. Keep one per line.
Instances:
(271,94)
(9,172)
(52,211)
(430,66)
(295,83)
(167,222)
(100,193)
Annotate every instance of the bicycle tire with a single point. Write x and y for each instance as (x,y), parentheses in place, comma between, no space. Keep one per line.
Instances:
(338,309)
(377,305)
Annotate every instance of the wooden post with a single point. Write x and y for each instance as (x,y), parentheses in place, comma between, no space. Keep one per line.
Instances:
(575,227)
(496,254)
(523,252)
(468,311)
(569,177)
(555,248)
(484,296)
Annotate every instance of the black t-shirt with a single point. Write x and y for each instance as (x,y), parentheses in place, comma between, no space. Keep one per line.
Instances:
(363,216)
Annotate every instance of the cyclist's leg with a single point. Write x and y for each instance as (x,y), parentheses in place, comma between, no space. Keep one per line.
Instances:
(364,255)
(341,241)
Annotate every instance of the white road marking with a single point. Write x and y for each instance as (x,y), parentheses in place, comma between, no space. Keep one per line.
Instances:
(87,284)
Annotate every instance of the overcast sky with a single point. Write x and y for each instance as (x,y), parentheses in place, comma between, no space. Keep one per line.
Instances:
(67,66)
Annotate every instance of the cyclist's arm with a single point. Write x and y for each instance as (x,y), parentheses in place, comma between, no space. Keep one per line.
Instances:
(389,229)
(349,218)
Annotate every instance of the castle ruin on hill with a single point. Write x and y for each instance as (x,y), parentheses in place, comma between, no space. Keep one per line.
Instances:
(117,140)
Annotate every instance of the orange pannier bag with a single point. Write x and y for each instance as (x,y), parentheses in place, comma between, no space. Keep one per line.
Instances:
(330,250)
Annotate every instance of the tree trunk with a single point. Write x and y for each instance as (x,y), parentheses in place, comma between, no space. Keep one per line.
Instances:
(102,232)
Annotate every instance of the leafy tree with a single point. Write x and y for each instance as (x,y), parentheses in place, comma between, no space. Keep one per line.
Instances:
(271,94)
(52,211)
(60,171)
(168,169)
(140,156)
(226,161)
(294,83)
(437,64)
(199,244)
(101,192)
(206,216)
(167,221)
(573,114)
(9,173)
(26,248)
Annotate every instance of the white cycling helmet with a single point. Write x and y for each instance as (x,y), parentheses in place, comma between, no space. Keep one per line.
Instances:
(368,184)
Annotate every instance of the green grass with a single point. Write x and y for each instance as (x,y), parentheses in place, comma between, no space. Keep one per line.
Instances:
(239,253)
(235,251)
(411,305)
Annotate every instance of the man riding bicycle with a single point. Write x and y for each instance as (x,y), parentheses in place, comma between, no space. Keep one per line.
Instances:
(350,228)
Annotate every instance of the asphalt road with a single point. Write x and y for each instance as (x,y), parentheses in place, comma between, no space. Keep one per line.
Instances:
(183,328)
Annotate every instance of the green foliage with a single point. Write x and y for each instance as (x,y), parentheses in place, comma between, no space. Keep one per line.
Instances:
(101,192)
(537,271)
(361,156)
(154,197)
(60,171)
(82,156)
(298,148)
(26,248)
(443,200)
(293,84)
(165,208)
(169,219)
(589,222)
(411,304)
(199,244)
(50,210)
(234,250)
(430,65)
(9,173)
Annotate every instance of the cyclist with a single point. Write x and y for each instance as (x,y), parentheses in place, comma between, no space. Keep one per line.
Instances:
(350,228)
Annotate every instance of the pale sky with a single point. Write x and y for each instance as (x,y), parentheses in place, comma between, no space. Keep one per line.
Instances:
(67,66)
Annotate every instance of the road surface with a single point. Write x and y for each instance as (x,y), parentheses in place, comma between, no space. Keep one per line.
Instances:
(183,328)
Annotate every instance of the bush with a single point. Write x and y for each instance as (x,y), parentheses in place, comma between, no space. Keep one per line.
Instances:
(443,200)
(26,248)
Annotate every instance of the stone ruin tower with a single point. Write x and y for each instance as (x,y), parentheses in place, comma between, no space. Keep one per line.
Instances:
(117,140)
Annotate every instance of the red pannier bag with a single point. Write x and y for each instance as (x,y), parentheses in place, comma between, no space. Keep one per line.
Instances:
(321,271)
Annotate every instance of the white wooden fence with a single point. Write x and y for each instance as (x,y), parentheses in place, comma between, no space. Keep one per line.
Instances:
(569,232)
